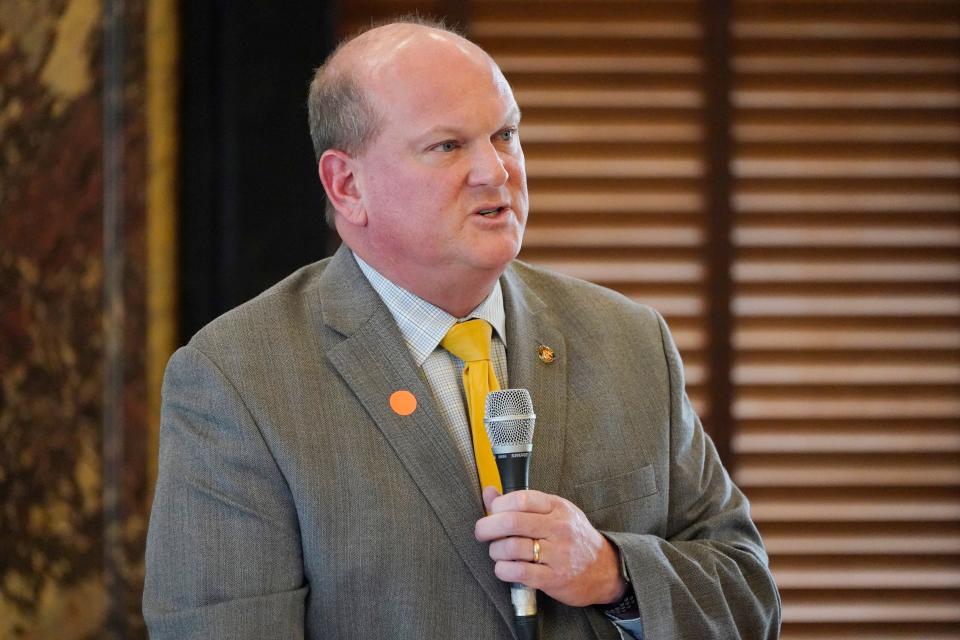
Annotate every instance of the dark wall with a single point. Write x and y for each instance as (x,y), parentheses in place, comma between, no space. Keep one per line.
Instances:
(251,207)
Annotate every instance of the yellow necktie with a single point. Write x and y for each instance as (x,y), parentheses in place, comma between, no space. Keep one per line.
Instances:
(470,341)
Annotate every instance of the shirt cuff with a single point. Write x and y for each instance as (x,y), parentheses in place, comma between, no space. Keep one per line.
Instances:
(625,615)
(628,629)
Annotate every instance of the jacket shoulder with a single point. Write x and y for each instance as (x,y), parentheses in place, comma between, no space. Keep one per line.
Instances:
(566,295)
(281,309)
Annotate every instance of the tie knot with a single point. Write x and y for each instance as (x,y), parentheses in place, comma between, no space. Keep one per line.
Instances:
(469,341)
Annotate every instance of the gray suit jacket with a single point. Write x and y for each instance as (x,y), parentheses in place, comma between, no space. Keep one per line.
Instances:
(291,501)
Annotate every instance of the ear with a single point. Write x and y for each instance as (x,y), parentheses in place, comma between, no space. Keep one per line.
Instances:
(336,170)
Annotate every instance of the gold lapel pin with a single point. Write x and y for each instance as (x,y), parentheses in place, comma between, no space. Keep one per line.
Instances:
(546,354)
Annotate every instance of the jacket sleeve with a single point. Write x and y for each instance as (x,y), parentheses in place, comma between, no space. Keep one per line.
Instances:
(709,577)
(223,555)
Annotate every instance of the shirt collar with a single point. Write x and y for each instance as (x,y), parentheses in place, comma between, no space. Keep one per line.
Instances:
(424,325)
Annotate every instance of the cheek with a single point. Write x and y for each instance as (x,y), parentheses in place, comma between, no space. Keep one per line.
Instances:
(518,177)
(393,200)
(414,201)
(405,186)
(517,169)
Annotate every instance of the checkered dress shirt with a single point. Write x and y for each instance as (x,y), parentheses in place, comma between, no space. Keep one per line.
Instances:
(423,326)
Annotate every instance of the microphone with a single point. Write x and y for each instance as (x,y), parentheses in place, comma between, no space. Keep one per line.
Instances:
(509,419)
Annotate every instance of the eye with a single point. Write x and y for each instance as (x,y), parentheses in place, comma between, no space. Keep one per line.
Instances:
(446,146)
(507,134)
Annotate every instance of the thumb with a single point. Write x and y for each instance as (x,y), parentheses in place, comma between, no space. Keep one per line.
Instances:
(490,494)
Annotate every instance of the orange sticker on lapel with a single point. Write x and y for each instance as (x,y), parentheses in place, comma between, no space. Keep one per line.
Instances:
(403,402)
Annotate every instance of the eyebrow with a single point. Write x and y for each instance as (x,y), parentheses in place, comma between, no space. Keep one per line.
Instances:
(511,119)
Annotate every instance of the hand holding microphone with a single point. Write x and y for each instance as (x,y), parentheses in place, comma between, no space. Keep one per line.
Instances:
(577,565)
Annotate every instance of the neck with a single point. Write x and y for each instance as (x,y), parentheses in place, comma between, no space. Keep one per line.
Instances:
(456,305)
(457,294)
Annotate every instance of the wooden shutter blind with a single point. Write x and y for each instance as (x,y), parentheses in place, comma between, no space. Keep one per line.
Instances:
(612,132)
(846,305)
(847,309)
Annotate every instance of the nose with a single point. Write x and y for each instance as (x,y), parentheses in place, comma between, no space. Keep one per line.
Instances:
(487,167)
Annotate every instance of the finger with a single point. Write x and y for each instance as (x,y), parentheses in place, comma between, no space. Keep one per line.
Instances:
(513,548)
(528,501)
(489,495)
(528,574)
(512,523)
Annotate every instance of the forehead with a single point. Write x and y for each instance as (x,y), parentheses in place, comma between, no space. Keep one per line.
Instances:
(430,76)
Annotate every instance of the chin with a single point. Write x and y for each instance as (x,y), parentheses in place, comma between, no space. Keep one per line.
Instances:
(493,252)
(497,261)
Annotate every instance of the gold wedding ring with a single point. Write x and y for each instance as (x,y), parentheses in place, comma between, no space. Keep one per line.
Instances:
(536,551)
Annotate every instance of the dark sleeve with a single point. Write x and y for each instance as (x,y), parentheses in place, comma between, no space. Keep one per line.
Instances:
(223,553)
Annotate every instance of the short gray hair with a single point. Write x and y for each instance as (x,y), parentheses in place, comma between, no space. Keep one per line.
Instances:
(340,112)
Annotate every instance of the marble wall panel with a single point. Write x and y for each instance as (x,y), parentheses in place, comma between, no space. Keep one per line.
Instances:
(73,425)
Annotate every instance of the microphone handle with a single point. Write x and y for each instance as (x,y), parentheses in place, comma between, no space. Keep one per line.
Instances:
(514,468)
(527,627)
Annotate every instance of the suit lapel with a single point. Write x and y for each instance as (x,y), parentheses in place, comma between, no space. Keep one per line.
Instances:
(528,328)
(374,361)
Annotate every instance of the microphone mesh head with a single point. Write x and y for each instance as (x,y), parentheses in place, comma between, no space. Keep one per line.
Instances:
(518,429)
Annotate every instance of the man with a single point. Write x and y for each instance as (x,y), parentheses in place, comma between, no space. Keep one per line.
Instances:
(318,469)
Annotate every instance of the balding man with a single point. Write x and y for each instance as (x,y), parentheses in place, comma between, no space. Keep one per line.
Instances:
(321,474)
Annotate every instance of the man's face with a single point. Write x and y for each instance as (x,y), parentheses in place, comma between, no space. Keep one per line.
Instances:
(443,183)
